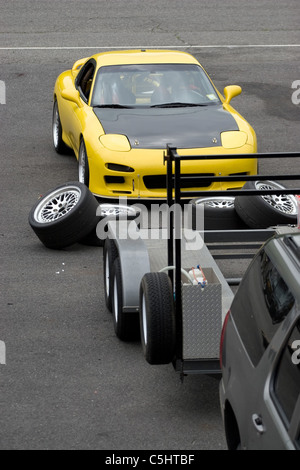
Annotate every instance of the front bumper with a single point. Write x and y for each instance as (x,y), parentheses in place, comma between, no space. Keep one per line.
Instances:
(146,177)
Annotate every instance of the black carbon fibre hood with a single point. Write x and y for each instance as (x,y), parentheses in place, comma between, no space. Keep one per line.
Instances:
(154,128)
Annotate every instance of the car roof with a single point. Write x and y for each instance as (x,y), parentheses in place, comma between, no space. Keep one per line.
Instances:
(143,56)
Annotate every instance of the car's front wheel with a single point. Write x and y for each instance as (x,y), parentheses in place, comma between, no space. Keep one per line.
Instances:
(83,165)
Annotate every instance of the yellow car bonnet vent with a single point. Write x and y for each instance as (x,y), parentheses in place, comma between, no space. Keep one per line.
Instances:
(233,139)
(115,142)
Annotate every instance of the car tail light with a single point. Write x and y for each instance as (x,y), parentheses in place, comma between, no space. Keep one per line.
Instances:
(222,337)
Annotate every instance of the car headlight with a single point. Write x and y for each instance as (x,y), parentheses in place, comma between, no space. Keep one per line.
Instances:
(233,139)
(115,142)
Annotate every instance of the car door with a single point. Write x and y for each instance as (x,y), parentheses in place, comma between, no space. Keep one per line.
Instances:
(276,417)
(286,386)
(74,118)
(277,380)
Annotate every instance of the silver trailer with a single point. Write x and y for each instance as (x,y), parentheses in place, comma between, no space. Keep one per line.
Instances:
(164,285)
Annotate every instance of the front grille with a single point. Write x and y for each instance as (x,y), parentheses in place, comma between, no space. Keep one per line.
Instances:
(187,181)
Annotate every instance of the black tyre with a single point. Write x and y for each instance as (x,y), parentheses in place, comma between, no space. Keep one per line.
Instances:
(219,214)
(110,254)
(261,212)
(157,318)
(126,325)
(83,165)
(63,216)
(58,143)
(106,212)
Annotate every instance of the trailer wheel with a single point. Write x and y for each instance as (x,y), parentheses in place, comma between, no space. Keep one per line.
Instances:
(260,212)
(126,325)
(219,214)
(65,215)
(157,318)
(110,254)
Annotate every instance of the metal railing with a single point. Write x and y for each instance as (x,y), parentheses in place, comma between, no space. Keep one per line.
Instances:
(175,194)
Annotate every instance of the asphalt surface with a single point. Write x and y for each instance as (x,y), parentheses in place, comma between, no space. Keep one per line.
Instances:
(68,382)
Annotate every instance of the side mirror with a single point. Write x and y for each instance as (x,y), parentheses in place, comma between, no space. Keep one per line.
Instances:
(72,95)
(230,92)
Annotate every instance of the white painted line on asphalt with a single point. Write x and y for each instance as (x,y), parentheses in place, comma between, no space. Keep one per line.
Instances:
(2,353)
(187,46)
(2,92)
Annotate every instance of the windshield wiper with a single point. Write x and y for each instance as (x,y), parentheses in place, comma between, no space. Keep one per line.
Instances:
(176,104)
(112,105)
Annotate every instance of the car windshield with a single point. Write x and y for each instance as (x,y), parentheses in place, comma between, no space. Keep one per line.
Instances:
(153,85)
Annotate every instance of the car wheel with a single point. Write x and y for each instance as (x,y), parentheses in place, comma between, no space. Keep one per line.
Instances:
(110,212)
(261,212)
(110,254)
(63,216)
(219,214)
(83,165)
(58,142)
(157,318)
(126,325)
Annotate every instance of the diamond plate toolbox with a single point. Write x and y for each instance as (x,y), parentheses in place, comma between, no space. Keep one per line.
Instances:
(202,318)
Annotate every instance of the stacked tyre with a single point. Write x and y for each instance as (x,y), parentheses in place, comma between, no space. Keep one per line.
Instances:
(266,211)
(244,212)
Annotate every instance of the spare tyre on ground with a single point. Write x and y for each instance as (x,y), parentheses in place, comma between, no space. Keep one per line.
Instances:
(263,211)
(64,215)
(108,211)
(219,214)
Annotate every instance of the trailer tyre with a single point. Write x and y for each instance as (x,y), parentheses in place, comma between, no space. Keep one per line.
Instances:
(63,216)
(110,254)
(157,318)
(260,212)
(126,325)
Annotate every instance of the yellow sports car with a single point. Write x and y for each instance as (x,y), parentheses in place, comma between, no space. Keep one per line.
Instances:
(119,110)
